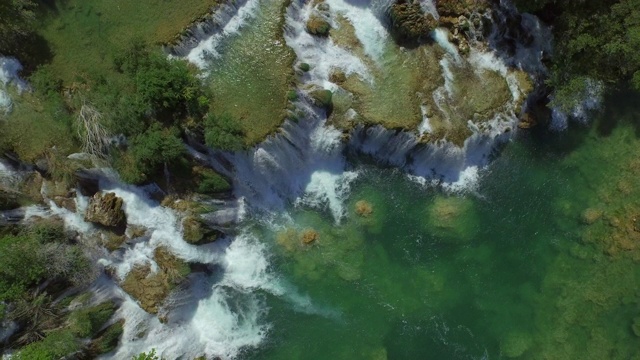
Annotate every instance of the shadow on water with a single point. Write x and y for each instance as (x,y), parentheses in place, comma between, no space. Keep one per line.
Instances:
(621,106)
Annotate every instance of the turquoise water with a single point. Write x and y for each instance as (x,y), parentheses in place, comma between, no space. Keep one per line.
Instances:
(509,270)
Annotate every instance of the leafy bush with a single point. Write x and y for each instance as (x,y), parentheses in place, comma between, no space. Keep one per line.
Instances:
(21,266)
(151,355)
(148,153)
(222,133)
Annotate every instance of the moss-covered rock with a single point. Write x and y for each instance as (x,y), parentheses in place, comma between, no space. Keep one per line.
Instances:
(591,215)
(635,326)
(111,241)
(337,77)
(192,230)
(85,323)
(322,98)
(108,339)
(173,267)
(304,67)
(410,24)
(317,25)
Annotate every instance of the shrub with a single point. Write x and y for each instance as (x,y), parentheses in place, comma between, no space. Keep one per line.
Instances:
(151,355)
(154,148)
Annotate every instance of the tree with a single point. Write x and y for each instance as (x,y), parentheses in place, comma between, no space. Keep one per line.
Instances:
(222,133)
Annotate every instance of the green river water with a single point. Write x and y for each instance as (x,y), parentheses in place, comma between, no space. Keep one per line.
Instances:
(539,262)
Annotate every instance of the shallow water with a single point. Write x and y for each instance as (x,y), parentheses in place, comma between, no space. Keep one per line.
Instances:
(508,271)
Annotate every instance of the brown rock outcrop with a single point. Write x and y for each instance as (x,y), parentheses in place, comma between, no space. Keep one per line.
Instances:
(106,210)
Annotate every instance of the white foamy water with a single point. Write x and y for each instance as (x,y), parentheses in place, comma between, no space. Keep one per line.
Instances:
(302,164)
(233,20)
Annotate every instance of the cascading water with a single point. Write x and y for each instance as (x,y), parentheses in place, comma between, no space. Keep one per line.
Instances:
(303,165)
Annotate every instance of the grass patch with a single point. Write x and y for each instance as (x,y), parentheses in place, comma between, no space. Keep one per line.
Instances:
(35,126)
(251,80)
(84,34)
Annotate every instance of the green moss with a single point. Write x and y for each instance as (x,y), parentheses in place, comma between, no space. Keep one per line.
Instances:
(322,98)
(109,339)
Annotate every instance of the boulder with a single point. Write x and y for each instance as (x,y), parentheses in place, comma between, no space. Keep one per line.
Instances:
(318,26)
(65,203)
(148,288)
(322,98)
(106,210)
(409,22)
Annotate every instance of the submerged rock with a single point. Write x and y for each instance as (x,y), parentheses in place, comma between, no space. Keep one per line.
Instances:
(309,236)
(106,210)
(515,344)
(591,215)
(452,218)
(364,208)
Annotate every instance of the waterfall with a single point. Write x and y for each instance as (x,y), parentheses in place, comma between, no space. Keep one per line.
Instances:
(206,37)
(9,69)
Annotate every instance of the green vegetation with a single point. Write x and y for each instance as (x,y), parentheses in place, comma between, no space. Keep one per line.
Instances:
(594,39)
(222,132)
(151,355)
(251,79)
(87,322)
(55,345)
(211,183)
(86,35)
